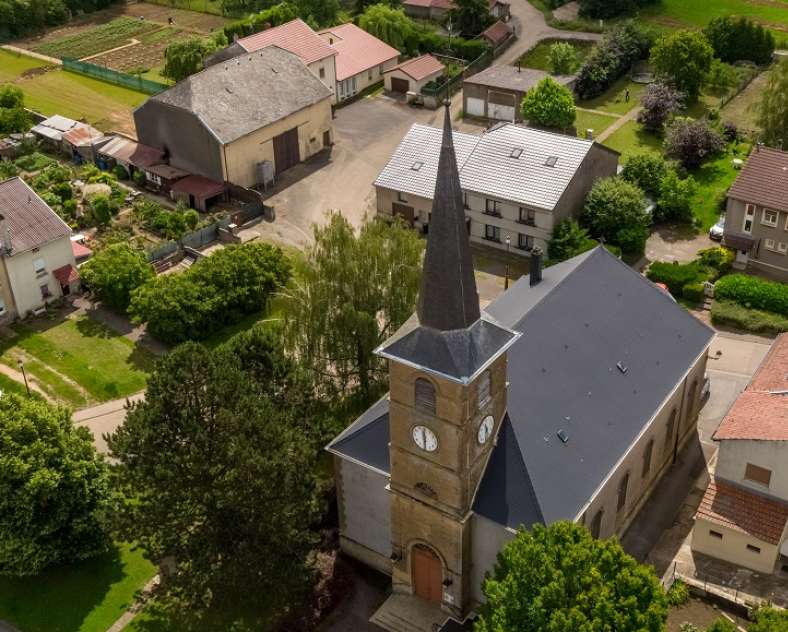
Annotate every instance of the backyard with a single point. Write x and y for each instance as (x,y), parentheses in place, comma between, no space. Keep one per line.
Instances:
(87,596)
(538,56)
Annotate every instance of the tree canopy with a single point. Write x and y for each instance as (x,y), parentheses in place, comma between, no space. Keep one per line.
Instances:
(470,17)
(13,115)
(739,38)
(185,57)
(692,142)
(549,104)
(559,578)
(54,492)
(683,58)
(115,272)
(660,102)
(388,24)
(615,210)
(773,108)
(569,239)
(562,58)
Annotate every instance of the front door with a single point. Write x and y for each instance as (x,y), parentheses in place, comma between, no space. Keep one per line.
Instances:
(427,580)
(286,151)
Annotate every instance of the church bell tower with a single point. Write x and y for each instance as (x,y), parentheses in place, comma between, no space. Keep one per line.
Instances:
(447,400)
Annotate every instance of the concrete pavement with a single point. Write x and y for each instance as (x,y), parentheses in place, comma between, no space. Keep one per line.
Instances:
(104,418)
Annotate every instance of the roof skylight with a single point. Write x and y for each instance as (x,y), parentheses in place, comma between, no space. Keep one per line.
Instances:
(416,166)
(516,152)
(551,160)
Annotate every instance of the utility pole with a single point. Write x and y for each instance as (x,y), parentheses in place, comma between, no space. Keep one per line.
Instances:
(24,375)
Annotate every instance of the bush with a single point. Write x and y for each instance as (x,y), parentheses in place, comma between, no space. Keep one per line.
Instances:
(692,142)
(549,104)
(120,172)
(569,239)
(753,292)
(674,203)
(768,619)
(102,209)
(646,171)
(676,275)
(718,258)
(660,102)
(722,625)
(115,272)
(139,178)
(735,39)
(730,314)
(678,594)
(729,131)
(722,75)
(693,292)
(562,58)
(621,47)
(615,210)
(632,239)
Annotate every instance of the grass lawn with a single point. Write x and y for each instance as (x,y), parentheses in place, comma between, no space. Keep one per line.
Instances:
(592,120)
(632,139)
(614,99)
(713,179)
(12,65)
(84,597)
(537,57)
(7,385)
(743,108)
(103,363)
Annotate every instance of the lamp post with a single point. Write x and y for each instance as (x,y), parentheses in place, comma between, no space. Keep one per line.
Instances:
(508,245)
(24,375)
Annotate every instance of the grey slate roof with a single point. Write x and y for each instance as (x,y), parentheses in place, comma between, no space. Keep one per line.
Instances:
(512,78)
(367,439)
(487,166)
(248,92)
(587,315)
(30,221)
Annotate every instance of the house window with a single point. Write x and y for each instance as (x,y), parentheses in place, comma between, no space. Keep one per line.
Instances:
(596,524)
(782,248)
(424,393)
(322,72)
(622,492)
(715,534)
(669,433)
(493,233)
(769,218)
(769,244)
(483,390)
(527,216)
(45,293)
(749,215)
(753,548)
(757,474)
(525,242)
(492,207)
(39,266)
(401,197)
(647,457)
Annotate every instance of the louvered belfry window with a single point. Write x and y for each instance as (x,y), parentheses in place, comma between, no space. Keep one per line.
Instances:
(425,395)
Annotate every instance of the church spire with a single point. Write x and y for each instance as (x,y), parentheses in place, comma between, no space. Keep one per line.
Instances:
(448,299)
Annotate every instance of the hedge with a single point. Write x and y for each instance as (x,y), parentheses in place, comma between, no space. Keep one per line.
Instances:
(693,291)
(753,292)
(677,276)
(756,321)
(719,258)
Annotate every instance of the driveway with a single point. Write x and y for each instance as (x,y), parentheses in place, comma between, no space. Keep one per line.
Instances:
(676,243)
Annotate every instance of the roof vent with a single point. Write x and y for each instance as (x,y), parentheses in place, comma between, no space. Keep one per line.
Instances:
(516,152)
(563,436)
(551,160)
(622,367)
(416,166)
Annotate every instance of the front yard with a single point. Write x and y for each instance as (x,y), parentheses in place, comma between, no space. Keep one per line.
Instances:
(85,597)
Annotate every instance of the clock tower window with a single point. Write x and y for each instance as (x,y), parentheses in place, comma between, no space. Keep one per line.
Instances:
(424,393)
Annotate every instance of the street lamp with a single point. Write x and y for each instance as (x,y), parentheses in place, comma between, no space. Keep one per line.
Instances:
(24,375)
(508,245)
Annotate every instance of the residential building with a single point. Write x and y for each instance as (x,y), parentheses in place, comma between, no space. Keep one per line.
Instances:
(567,398)
(496,92)
(743,517)
(361,58)
(219,124)
(497,34)
(518,182)
(38,264)
(412,75)
(756,217)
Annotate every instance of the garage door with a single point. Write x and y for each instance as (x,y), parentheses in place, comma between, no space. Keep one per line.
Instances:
(501,112)
(474,106)
(286,152)
(400,85)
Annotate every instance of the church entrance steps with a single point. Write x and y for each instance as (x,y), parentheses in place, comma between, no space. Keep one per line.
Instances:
(407,613)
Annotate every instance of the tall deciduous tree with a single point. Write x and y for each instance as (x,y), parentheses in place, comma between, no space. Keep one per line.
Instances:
(562,58)
(388,24)
(682,59)
(114,272)
(692,142)
(53,488)
(550,104)
(739,38)
(773,108)
(186,57)
(218,479)
(559,578)
(660,102)
(355,291)
(615,210)
(471,17)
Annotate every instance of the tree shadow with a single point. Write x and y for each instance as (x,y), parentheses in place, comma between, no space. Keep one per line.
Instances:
(60,598)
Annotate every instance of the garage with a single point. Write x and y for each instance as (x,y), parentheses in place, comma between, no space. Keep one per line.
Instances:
(286,151)
(501,106)
(412,75)
(400,85)
(474,106)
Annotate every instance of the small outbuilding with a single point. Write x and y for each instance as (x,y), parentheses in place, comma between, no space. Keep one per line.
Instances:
(127,153)
(81,143)
(498,34)
(496,92)
(198,192)
(413,75)
(160,178)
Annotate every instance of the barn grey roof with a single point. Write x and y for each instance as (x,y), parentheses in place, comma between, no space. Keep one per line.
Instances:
(513,78)
(488,165)
(587,315)
(30,223)
(246,93)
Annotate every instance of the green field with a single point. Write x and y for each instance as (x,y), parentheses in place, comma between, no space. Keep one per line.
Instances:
(51,91)
(537,57)
(85,597)
(97,39)
(687,13)
(714,179)
(614,100)
(631,139)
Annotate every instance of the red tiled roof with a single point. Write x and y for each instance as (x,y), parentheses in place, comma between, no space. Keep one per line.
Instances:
(198,186)
(744,511)
(448,5)
(30,221)
(357,50)
(763,179)
(498,32)
(420,67)
(66,275)
(761,411)
(80,251)
(295,36)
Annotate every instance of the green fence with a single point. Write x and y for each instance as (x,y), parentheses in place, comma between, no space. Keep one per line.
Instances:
(113,76)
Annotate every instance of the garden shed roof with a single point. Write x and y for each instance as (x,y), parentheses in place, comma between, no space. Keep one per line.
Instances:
(131,152)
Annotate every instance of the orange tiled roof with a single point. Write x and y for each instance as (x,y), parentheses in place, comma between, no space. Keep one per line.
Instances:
(498,32)
(761,411)
(744,511)
(295,36)
(420,67)
(357,50)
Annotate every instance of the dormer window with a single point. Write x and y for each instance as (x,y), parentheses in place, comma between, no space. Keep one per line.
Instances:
(424,395)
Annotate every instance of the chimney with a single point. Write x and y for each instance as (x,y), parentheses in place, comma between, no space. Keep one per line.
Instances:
(536,265)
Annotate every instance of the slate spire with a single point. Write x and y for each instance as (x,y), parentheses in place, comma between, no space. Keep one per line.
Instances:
(448,299)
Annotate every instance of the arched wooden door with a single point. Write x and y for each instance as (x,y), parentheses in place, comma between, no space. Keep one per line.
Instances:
(427,574)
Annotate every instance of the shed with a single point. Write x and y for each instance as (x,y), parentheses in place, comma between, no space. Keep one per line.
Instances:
(497,34)
(128,153)
(80,142)
(50,131)
(413,75)
(496,92)
(198,192)
(161,177)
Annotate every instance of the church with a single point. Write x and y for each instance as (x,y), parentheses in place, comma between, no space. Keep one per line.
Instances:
(566,398)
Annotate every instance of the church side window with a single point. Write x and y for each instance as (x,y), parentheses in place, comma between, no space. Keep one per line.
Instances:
(425,395)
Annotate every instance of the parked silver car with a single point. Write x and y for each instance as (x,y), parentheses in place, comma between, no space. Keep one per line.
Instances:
(716,231)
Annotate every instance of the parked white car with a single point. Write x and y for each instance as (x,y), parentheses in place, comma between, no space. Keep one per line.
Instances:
(716,231)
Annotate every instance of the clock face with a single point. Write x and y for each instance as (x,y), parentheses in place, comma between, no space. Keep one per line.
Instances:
(425,438)
(485,429)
